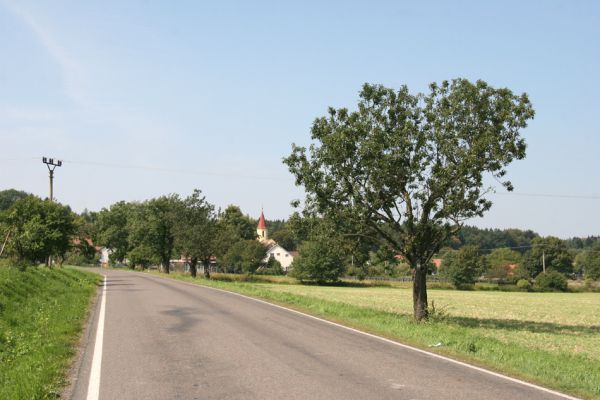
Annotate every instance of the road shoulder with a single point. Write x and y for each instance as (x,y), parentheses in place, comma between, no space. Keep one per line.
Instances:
(78,374)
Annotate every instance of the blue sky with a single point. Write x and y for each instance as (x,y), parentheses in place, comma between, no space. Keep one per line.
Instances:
(211,95)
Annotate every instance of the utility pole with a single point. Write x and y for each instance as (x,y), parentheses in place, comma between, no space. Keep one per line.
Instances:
(544,261)
(51,164)
(5,241)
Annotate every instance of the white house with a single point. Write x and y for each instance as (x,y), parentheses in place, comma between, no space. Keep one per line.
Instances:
(105,256)
(274,250)
(280,254)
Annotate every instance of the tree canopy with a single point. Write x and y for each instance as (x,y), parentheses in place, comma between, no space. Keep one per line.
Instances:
(407,169)
(195,231)
(244,256)
(589,262)
(156,227)
(10,196)
(38,229)
(112,229)
(463,266)
(320,261)
(549,250)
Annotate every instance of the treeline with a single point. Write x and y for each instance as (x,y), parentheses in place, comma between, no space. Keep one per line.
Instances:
(155,231)
(142,234)
(517,256)
(516,239)
(35,231)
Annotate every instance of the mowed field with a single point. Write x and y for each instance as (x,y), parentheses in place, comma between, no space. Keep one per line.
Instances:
(553,322)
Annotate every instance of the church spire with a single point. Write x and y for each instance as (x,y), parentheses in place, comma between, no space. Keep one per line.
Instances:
(261,229)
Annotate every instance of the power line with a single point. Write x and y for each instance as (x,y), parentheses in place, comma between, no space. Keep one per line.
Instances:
(18,159)
(276,178)
(176,171)
(551,195)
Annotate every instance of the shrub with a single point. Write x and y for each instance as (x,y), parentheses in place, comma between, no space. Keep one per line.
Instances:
(463,267)
(518,274)
(551,280)
(523,284)
(273,267)
(319,261)
(244,256)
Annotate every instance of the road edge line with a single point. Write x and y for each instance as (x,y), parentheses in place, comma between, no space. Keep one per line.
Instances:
(93,392)
(390,341)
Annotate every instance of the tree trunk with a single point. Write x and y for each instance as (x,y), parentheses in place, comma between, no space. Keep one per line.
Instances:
(194,266)
(165,266)
(420,292)
(206,264)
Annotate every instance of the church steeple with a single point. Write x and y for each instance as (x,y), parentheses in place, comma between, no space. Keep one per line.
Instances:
(261,229)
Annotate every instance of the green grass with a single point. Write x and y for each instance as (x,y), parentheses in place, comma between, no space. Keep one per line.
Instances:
(42,312)
(552,339)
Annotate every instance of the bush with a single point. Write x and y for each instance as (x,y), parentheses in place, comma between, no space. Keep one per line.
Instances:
(463,267)
(523,284)
(273,267)
(319,261)
(519,273)
(21,265)
(551,280)
(77,258)
(244,256)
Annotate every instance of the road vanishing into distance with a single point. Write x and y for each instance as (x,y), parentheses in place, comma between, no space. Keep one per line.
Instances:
(163,339)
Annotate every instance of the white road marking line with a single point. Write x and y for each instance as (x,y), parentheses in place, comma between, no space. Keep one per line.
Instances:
(405,346)
(93,392)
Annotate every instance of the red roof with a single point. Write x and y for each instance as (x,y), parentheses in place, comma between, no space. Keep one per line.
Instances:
(261,221)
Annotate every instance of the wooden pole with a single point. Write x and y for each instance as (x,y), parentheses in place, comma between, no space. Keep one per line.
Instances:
(5,241)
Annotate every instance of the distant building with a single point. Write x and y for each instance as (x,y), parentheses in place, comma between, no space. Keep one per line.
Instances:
(280,254)
(274,250)
(261,230)
(105,256)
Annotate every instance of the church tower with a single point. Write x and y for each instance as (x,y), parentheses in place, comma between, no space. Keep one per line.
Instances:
(261,229)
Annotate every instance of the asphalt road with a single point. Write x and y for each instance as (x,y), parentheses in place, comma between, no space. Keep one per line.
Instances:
(164,339)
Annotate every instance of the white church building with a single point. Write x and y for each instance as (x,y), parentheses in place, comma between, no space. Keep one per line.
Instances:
(274,250)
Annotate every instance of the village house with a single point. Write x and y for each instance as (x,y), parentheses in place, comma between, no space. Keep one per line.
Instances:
(274,250)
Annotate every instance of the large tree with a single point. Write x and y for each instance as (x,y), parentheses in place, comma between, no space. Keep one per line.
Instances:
(502,262)
(320,260)
(112,228)
(408,169)
(463,266)
(196,233)
(590,262)
(151,229)
(551,252)
(38,229)
(242,225)
(244,256)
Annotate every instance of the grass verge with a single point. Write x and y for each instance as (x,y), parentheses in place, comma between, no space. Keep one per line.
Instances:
(42,312)
(570,372)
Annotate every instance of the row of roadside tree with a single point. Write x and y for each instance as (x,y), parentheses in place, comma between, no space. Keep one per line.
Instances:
(155,231)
